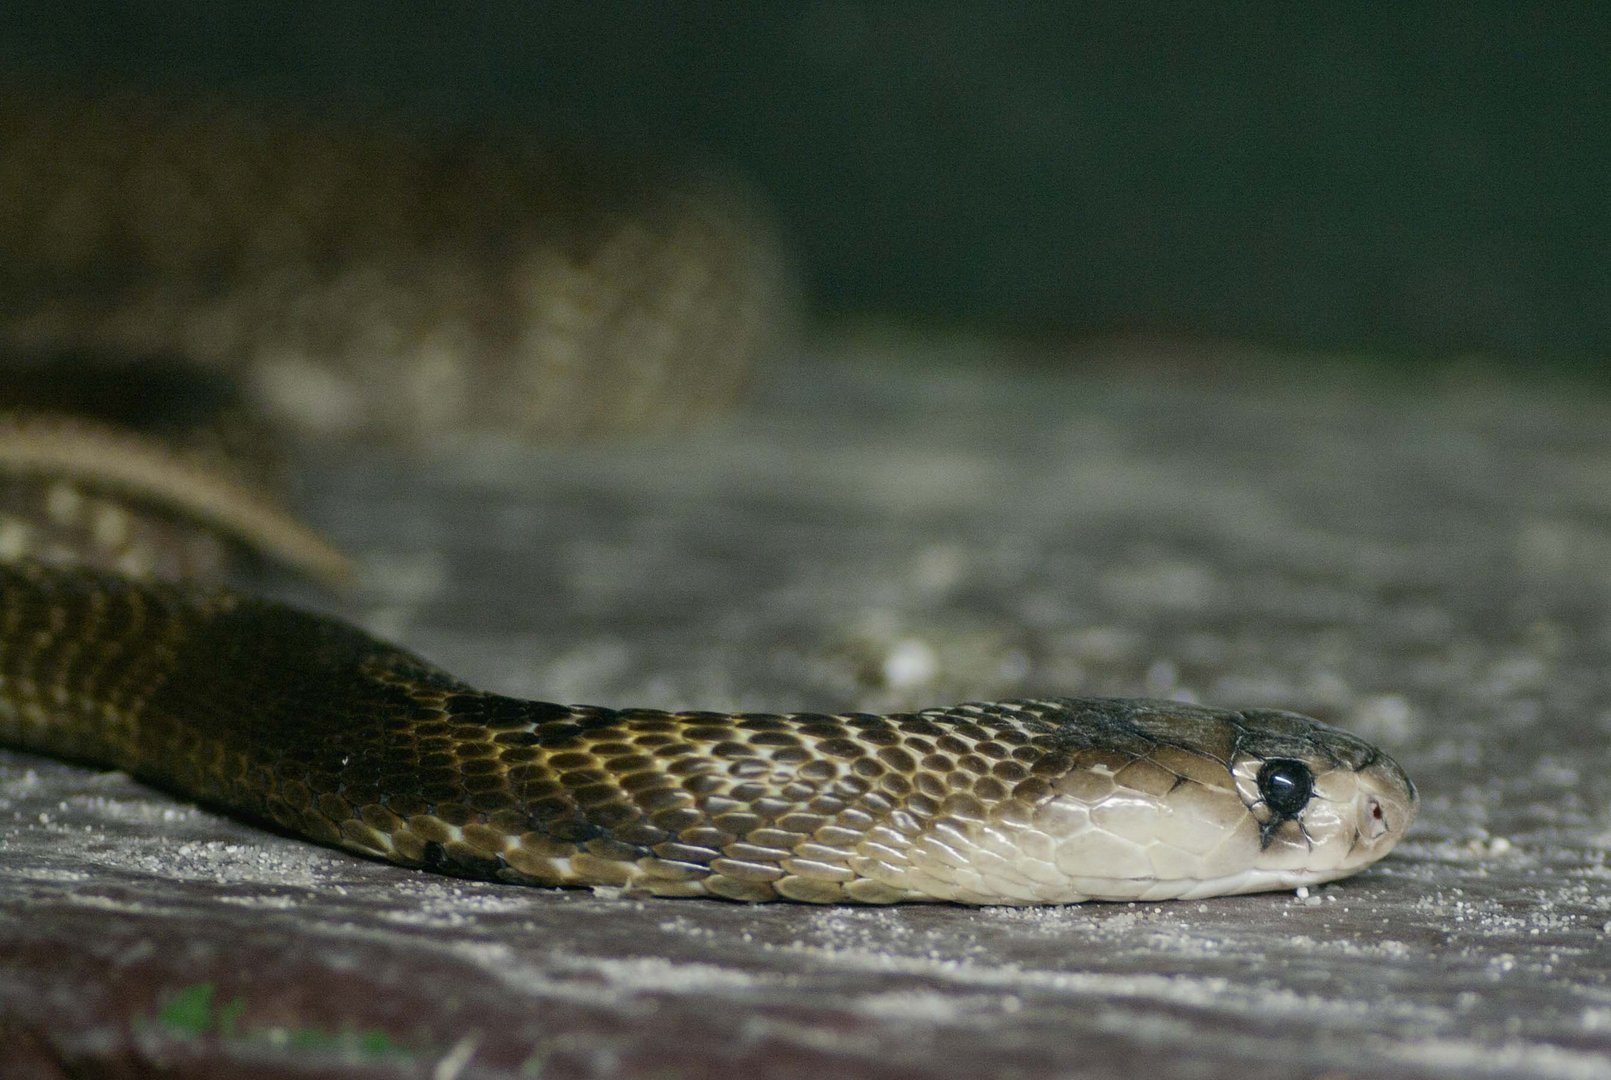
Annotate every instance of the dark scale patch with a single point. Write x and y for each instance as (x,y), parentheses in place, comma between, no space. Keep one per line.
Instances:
(921,725)
(456,813)
(818,729)
(867,768)
(691,765)
(634,783)
(707,733)
(442,790)
(693,716)
(897,759)
(504,713)
(561,721)
(641,836)
(813,769)
(430,726)
(990,789)
(467,862)
(676,819)
(841,748)
(470,747)
(545,711)
(749,794)
(633,763)
(596,795)
(1032,792)
(549,809)
(534,784)
(511,820)
(677,851)
(1053,764)
(613,749)
(655,724)
(571,830)
(748,769)
(924,806)
(774,738)
(895,785)
(1287,734)
(616,849)
(762,722)
(1009,771)
(494,798)
(403,803)
(481,774)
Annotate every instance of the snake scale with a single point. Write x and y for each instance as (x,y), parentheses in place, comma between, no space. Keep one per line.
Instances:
(312,725)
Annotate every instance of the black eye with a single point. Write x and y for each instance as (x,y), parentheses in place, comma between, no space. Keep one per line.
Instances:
(1285,786)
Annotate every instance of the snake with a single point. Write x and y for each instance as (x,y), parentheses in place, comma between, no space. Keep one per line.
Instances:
(116,657)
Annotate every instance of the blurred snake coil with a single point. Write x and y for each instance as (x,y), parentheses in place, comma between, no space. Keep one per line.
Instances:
(184,283)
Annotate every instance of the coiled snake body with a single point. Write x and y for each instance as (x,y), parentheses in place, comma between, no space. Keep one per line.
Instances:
(312,725)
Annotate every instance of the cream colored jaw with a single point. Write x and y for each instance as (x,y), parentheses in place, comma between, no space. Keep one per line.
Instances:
(1196,841)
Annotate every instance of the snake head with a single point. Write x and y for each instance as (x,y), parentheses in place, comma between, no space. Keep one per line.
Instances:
(1156,800)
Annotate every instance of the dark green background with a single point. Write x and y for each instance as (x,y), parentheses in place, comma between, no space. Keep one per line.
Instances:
(1418,179)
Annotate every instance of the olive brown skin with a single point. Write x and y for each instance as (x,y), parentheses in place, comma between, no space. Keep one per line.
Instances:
(310,724)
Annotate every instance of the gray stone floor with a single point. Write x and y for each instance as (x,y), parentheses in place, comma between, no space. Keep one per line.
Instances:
(1426,560)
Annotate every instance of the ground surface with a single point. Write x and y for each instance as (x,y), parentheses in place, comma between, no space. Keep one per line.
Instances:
(1426,561)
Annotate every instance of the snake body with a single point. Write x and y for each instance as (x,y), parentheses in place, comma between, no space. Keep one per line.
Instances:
(384,281)
(309,724)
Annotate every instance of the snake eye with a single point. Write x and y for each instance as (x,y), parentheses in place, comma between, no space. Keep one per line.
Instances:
(1285,786)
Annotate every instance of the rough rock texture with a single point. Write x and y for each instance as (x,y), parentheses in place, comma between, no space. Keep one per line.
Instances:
(1425,560)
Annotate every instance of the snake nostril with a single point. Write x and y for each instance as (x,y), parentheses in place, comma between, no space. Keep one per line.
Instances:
(1375,818)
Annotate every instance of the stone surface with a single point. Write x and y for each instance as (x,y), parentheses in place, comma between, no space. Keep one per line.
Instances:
(1424,560)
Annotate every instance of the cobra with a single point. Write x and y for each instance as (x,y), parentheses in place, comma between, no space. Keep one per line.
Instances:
(314,726)
(311,725)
